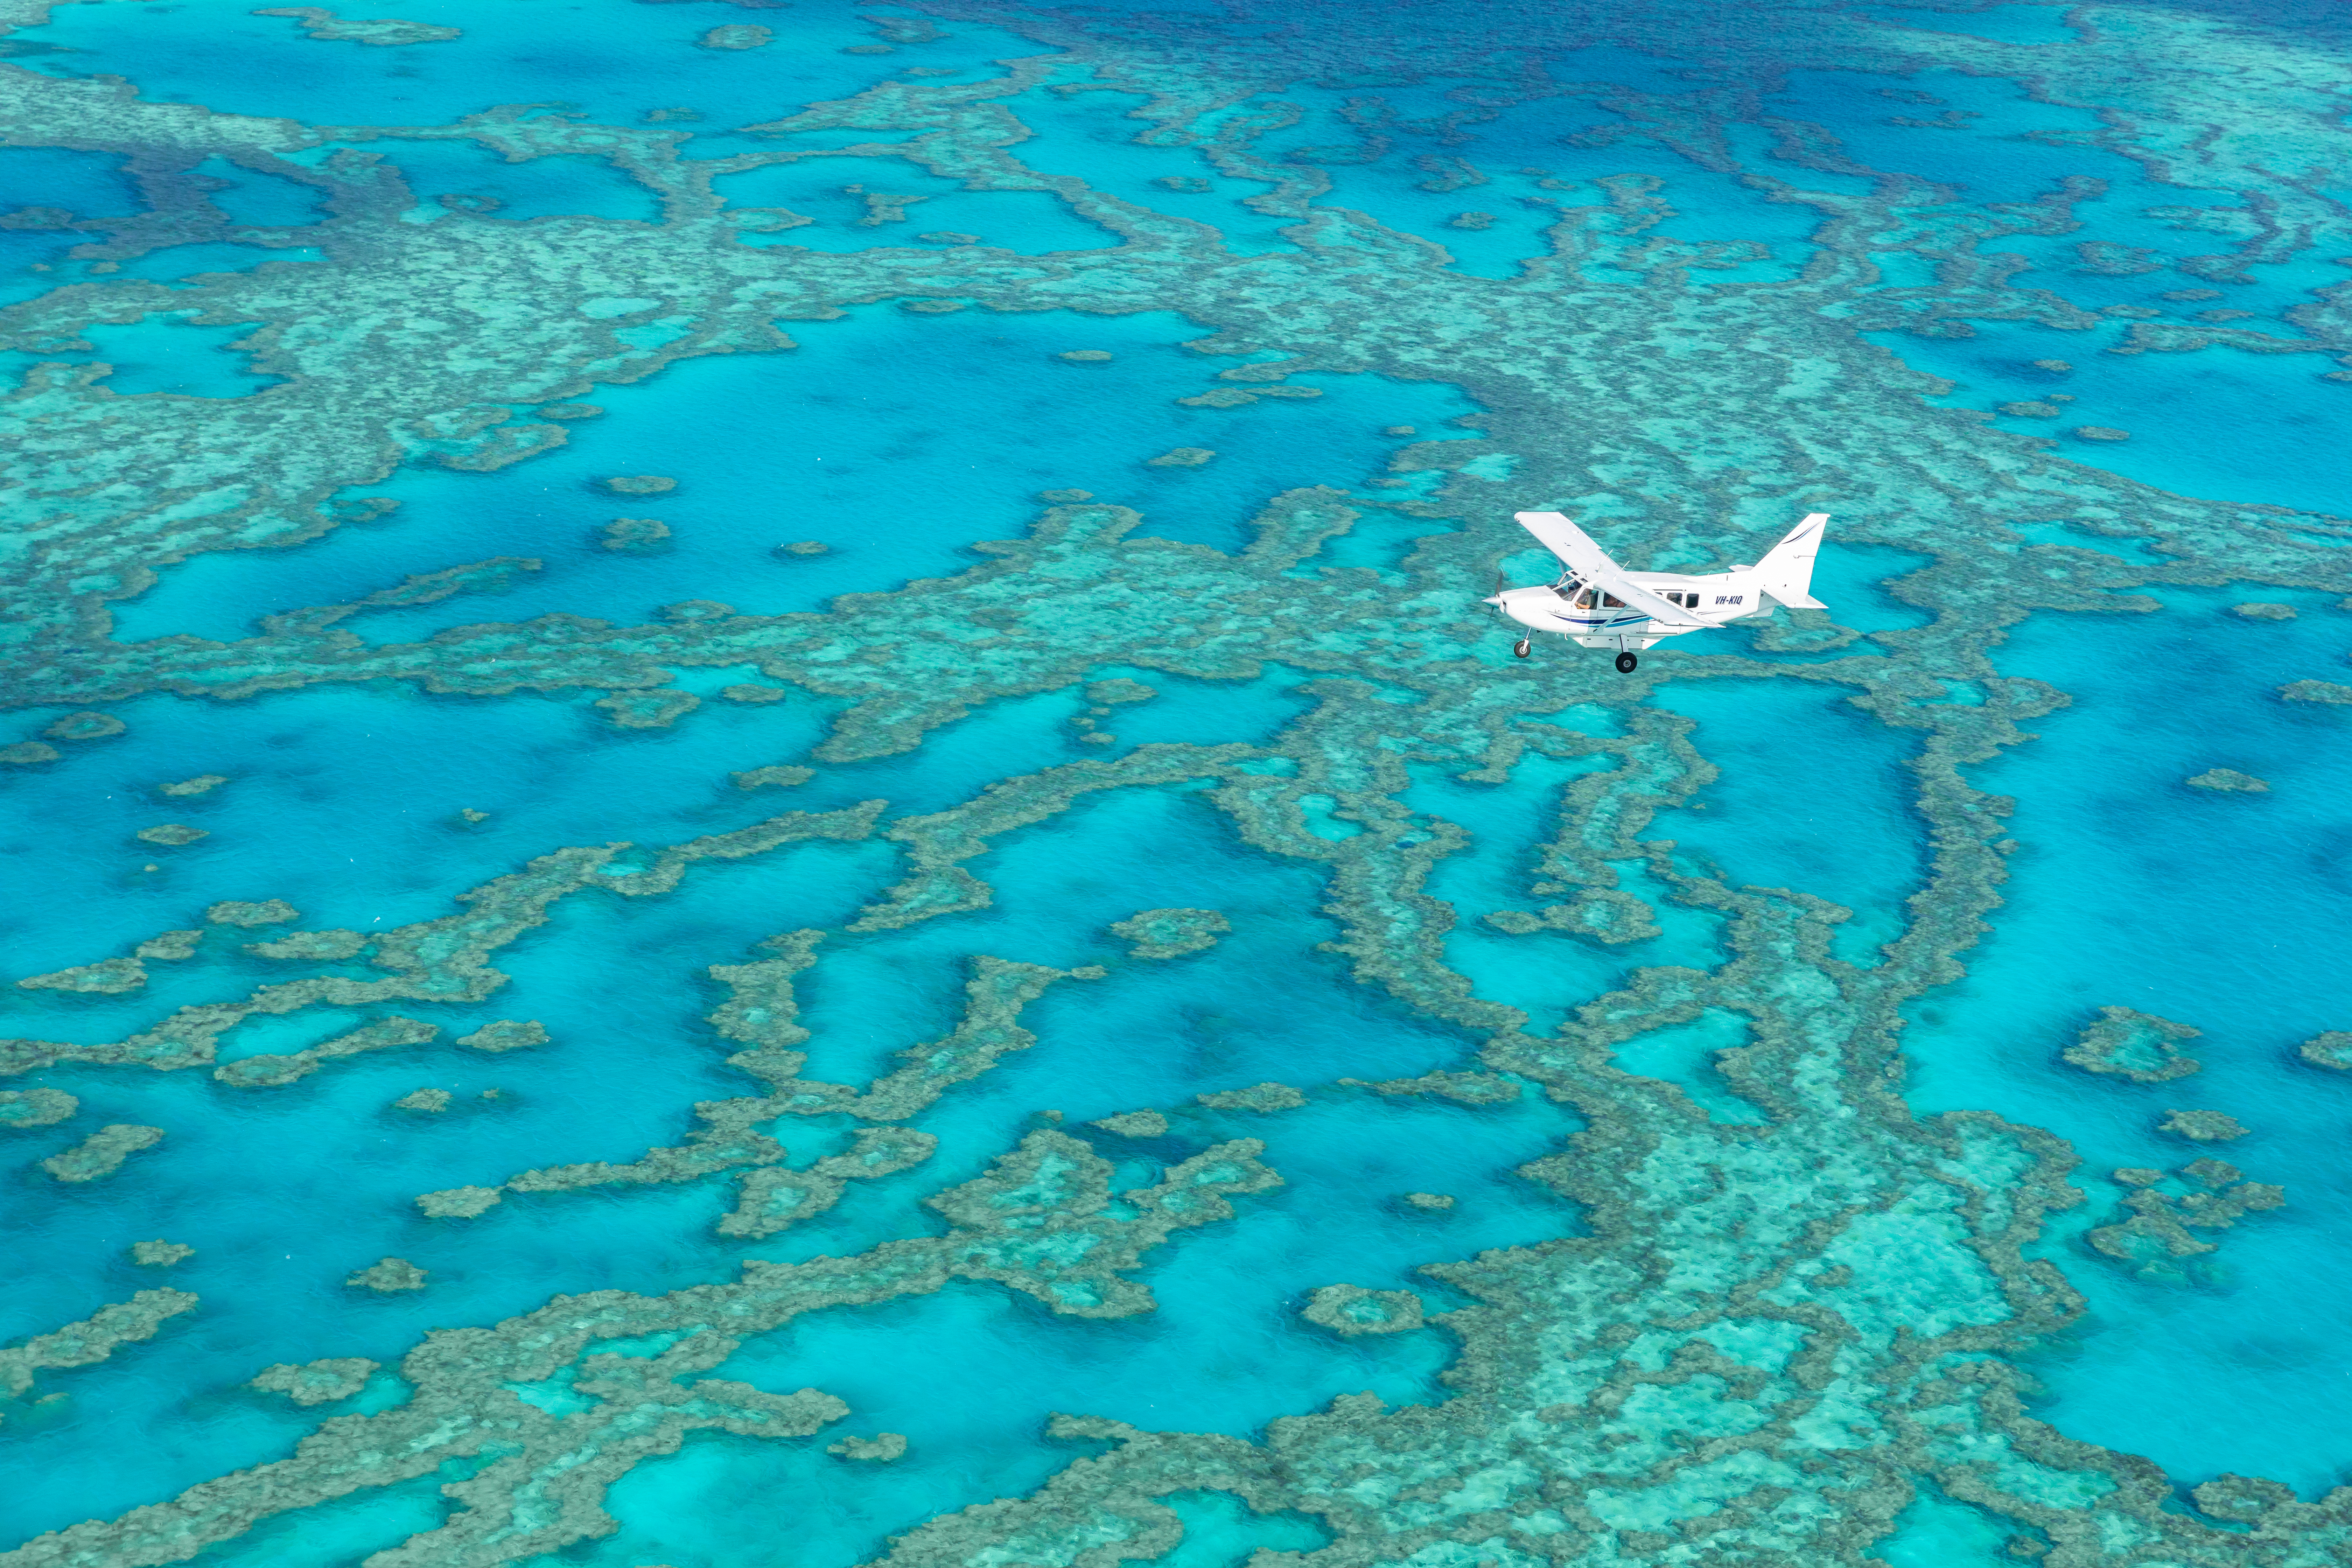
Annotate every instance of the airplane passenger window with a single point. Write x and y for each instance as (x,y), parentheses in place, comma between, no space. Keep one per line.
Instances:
(1611,602)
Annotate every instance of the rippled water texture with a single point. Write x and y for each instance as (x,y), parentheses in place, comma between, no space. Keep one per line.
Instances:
(756,813)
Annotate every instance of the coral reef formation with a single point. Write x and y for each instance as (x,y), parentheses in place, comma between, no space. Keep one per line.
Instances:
(92,1340)
(506,1035)
(2204,1126)
(383,33)
(2158,1229)
(1165,933)
(113,974)
(387,1275)
(102,1152)
(2230,780)
(1262,1097)
(36,1106)
(2332,1049)
(734,35)
(318,1382)
(635,535)
(2136,1045)
(1351,1310)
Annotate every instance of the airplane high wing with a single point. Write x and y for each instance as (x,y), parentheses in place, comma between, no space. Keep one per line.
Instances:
(1593,568)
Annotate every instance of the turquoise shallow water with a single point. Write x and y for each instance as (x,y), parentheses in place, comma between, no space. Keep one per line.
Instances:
(1058,924)
(1766,820)
(2167,399)
(163,353)
(834,471)
(90,183)
(2091,924)
(446,173)
(835,194)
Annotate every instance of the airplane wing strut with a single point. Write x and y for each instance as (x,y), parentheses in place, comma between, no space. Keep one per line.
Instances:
(1591,566)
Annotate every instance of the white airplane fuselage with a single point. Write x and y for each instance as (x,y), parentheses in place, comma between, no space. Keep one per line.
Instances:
(1601,604)
(1597,619)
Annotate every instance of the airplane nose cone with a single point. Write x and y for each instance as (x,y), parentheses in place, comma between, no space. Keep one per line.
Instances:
(1497,601)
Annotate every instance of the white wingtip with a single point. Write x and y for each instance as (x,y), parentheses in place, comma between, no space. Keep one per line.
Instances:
(1557,533)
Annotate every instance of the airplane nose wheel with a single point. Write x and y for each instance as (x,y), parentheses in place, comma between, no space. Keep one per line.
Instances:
(1523,647)
(1625,663)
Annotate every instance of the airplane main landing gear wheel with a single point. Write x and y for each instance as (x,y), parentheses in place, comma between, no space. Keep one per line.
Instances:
(1523,647)
(1625,663)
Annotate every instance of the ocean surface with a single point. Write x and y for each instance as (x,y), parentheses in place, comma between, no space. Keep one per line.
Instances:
(756,813)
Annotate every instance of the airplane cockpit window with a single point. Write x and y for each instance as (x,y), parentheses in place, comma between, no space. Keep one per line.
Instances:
(1611,602)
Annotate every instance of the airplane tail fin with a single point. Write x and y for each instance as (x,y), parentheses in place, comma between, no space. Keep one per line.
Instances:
(1786,573)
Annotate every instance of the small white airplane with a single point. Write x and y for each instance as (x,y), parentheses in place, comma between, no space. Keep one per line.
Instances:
(1601,604)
